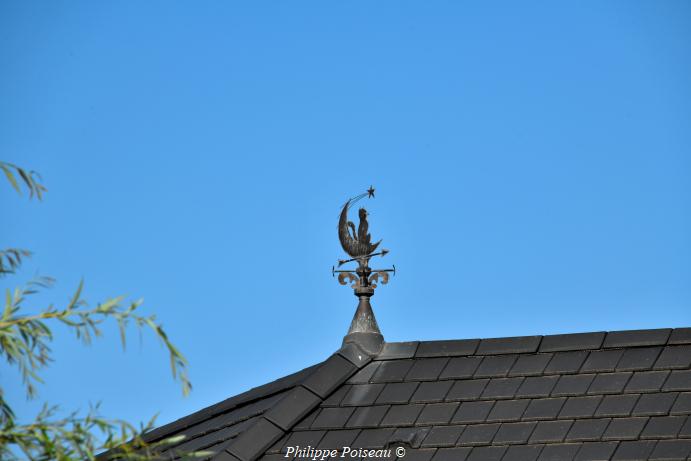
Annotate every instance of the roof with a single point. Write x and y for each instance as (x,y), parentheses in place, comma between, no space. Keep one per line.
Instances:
(620,395)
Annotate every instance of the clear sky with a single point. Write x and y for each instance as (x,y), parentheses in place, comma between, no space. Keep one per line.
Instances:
(531,159)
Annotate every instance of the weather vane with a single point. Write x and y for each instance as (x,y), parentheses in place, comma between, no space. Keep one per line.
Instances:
(358,245)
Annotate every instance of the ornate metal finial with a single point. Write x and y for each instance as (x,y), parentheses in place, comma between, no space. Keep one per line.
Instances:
(358,245)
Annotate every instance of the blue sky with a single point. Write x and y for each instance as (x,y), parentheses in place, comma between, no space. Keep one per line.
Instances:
(531,161)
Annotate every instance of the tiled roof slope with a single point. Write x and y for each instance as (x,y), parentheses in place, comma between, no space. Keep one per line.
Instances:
(588,396)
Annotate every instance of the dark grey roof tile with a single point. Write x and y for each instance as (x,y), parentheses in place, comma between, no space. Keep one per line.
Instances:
(513,345)
(508,410)
(432,391)
(617,405)
(335,398)
(573,385)
(473,412)
(252,443)
(338,439)
(596,451)
(580,407)
(584,430)
(452,454)
(411,436)
(424,454)
(306,422)
(402,415)
(397,393)
(537,386)
(654,404)
(447,348)
(478,434)
(680,336)
(354,354)
(634,451)
(640,358)
(392,371)
(267,457)
(682,405)
(551,431)
(572,342)
(685,431)
(426,369)
(292,408)
(443,436)
(276,447)
(487,453)
(609,383)
(674,357)
(331,374)
(671,450)
(634,338)
(363,376)
(362,394)
(513,433)
(599,361)
(467,389)
(437,413)
(625,428)
(460,367)
(367,416)
(495,366)
(559,452)
(544,408)
(502,388)
(373,438)
(332,418)
(663,427)
(566,362)
(678,381)
(403,350)
(522,452)
(647,381)
(530,365)
(225,456)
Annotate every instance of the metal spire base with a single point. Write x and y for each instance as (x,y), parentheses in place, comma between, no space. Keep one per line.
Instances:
(364,330)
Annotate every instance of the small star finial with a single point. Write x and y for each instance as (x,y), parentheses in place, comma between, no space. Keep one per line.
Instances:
(370,192)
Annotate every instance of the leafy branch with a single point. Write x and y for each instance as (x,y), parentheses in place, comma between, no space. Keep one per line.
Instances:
(30,179)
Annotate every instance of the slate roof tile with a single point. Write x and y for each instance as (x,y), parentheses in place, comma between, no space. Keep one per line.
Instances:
(530,365)
(559,452)
(292,408)
(338,439)
(640,358)
(514,433)
(537,386)
(513,345)
(432,391)
(355,355)
(424,454)
(478,434)
(362,394)
(609,383)
(572,342)
(682,405)
(367,416)
(447,348)
(402,350)
(336,397)
(634,450)
(473,412)
(647,381)
(303,439)
(654,404)
(508,410)
(566,362)
(410,436)
(671,450)
(674,357)
(402,415)
(663,427)
(617,405)
(495,366)
(685,431)
(365,374)
(426,369)
(437,413)
(392,371)
(306,422)
(580,407)
(633,338)
(252,443)
(678,381)
(599,361)
(625,428)
(331,374)
(502,388)
(467,389)
(680,336)
(443,436)
(397,393)
(373,438)
(523,452)
(572,385)
(487,453)
(452,454)
(460,367)
(332,418)
(550,431)
(584,430)
(596,451)
(544,408)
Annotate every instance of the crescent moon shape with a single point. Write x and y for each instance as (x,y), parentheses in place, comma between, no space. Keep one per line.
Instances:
(351,246)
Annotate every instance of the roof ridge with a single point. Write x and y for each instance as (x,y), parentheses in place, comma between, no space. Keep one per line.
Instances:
(303,398)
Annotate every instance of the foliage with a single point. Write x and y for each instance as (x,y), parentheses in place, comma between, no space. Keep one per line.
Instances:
(25,337)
